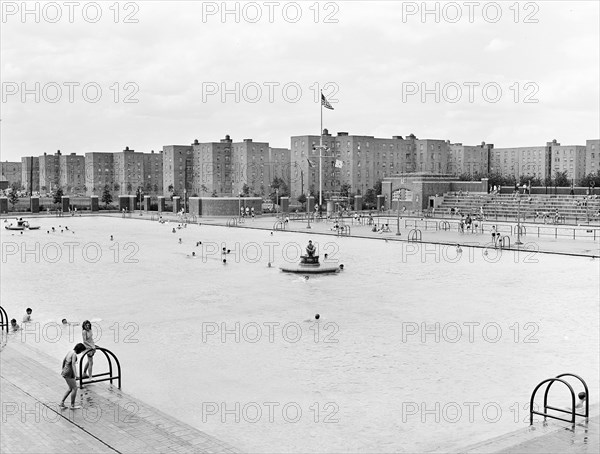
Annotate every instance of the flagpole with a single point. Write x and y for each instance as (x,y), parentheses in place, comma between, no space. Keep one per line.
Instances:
(321,155)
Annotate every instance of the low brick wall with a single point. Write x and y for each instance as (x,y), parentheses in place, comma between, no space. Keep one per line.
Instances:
(227,206)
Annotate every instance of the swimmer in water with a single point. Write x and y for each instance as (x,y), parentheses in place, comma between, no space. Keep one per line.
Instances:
(581,404)
(179,240)
(269,265)
(27,316)
(306,278)
(13,325)
(111,238)
(458,248)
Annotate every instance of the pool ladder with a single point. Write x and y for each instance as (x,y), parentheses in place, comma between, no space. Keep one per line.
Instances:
(550,382)
(110,356)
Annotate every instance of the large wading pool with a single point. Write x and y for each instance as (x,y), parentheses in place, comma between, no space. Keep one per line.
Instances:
(417,348)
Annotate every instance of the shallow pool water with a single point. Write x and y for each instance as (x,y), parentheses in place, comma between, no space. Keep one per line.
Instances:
(417,348)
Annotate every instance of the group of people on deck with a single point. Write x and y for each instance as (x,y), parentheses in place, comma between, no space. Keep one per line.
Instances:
(69,363)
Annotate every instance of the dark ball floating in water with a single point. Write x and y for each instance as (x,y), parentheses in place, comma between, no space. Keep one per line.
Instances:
(224,260)
(317,317)
(342,266)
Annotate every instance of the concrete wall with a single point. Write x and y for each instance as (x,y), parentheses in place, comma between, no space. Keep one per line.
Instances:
(94,203)
(228,206)
(124,203)
(284,202)
(195,206)
(34,204)
(3,204)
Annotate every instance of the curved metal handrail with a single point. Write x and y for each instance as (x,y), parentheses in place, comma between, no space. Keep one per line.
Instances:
(587,395)
(415,235)
(546,415)
(279,225)
(232,222)
(110,368)
(444,225)
(502,242)
(520,229)
(4,320)
(343,230)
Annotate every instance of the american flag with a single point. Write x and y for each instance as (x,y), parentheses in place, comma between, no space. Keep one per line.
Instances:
(310,163)
(325,103)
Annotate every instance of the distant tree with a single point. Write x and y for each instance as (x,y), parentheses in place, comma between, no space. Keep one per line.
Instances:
(58,196)
(378,187)
(214,193)
(171,188)
(245,190)
(561,179)
(117,187)
(148,188)
(84,188)
(203,189)
(301,199)
(345,190)
(370,198)
(13,197)
(592,179)
(44,188)
(155,187)
(262,190)
(107,196)
(279,189)
(129,188)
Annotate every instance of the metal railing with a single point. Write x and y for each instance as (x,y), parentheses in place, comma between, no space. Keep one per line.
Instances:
(110,356)
(415,235)
(4,320)
(572,412)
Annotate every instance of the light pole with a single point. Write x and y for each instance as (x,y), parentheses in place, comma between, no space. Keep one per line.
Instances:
(398,215)
(308,211)
(277,204)
(240,205)
(518,243)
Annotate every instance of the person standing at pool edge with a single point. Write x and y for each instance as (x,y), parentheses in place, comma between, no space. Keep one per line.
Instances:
(69,373)
(88,342)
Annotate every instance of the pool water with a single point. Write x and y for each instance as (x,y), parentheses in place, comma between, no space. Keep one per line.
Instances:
(417,348)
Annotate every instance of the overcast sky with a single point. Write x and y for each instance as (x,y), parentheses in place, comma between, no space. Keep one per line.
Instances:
(371,58)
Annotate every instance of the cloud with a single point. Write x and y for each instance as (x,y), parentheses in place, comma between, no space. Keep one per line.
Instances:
(497,45)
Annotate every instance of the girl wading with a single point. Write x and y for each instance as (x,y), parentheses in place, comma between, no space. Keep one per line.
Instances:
(69,368)
(88,342)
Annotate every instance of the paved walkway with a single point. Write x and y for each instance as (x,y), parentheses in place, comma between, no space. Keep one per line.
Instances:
(543,244)
(110,421)
(552,437)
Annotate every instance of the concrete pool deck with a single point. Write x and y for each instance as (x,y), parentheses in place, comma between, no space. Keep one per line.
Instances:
(113,421)
(532,243)
(110,420)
